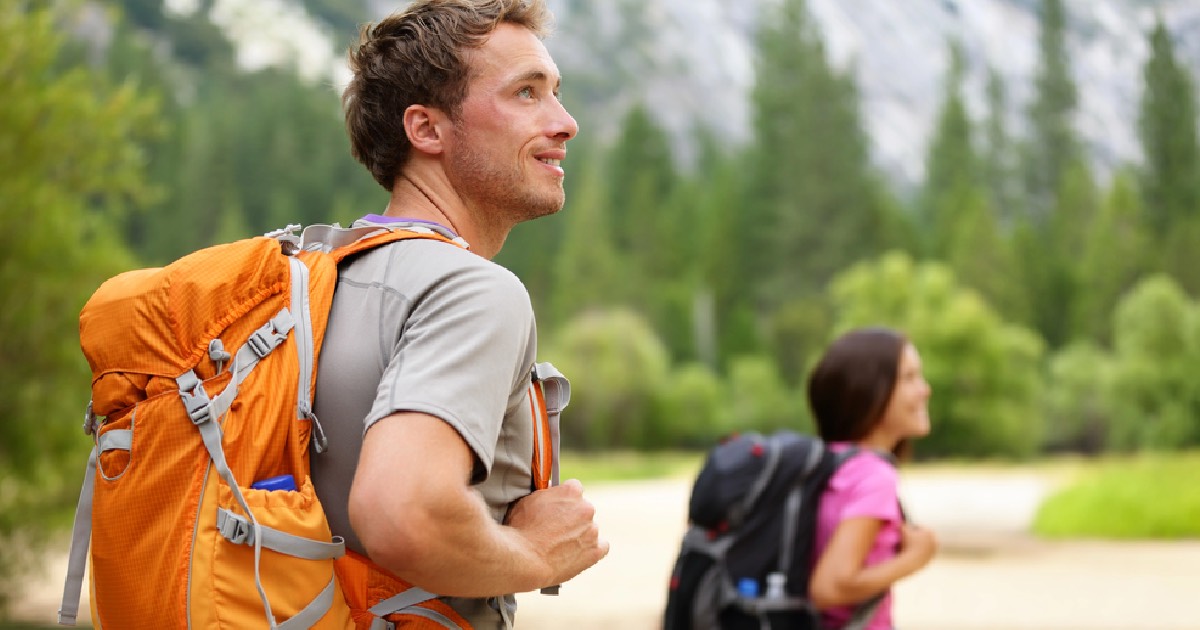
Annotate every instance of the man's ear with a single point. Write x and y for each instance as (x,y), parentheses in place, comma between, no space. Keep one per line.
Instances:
(425,127)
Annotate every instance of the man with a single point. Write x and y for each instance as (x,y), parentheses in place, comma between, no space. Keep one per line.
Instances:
(454,109)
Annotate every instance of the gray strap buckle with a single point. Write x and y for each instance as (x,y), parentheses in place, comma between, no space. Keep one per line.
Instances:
(234,528)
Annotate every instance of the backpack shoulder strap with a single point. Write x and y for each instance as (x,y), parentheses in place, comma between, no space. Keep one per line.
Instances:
(342,242)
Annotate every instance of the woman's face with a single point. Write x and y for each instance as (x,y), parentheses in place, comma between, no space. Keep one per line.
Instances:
(907,412)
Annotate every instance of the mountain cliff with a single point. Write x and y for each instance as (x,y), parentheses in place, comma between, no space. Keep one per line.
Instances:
(692,61)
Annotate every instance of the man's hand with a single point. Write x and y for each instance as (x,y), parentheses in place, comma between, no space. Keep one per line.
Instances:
(558,523)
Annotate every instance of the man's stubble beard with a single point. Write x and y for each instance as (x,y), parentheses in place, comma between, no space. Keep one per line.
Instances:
(502,190)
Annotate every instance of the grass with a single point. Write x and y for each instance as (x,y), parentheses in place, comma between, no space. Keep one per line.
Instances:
(1152,496)
(628,466)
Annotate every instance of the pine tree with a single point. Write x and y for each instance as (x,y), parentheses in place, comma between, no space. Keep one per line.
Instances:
(1171,177)
(814,203)
(997,157)
(1167,127)
(587,271)
(1113,259)
(70,165)
(952,171)
(981,257)
(1053,144)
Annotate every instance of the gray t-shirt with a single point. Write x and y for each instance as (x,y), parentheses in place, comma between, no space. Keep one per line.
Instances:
(425,326)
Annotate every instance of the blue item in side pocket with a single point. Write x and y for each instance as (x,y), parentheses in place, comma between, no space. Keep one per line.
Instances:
(282,482)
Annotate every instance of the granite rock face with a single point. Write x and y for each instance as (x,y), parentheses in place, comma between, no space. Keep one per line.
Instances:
(692,61)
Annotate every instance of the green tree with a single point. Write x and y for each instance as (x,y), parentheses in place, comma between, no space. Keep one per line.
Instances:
(814,203)
(625,366)
(998,155)
(1155,394)
(1075,210)
(1052,165)
(589,275)
(1167,128)
(1115,255)
(758,399)
(690,404)
(953,178)
(1171,175)
(69,162)
(641,177)
(713,241)
(983,259)
(244,153)
(983,371)
(1053,144)
(1077,398)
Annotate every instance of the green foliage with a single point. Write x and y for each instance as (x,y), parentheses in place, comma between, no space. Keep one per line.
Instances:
(953,179)
(69,155)
(242,154)
(1167,128)
(611,466)
(757,398)
(800,328)
(1180,257)
(624,364)
(342,16)
(690,405)
(984,372)
(983,259)
(1053,144)
(1080,379)
(588,273)
(1115,255)
(1151,496)
(1155,394)
(641,175)
(998,157)
(726,266)
(813,205)
(1076,207)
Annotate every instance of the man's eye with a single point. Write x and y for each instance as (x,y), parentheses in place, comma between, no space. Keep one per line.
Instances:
(525,92)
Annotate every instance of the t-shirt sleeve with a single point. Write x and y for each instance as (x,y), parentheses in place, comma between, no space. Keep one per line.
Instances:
(463,351)
(868,486)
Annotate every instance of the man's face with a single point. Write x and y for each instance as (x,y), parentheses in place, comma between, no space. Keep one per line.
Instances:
(504,155)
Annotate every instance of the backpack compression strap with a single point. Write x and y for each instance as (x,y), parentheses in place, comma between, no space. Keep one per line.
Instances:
(549,393)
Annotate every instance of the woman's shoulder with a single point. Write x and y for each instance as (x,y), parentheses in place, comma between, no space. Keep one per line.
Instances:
(862,466)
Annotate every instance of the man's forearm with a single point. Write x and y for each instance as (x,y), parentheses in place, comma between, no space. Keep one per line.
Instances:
(454,548)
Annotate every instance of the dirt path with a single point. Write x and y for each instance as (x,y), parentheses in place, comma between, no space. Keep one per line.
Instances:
(989,575)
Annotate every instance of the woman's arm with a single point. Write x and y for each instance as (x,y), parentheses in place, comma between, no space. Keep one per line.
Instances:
(840,577)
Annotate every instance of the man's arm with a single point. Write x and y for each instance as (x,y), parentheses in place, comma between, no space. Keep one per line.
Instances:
(412,507)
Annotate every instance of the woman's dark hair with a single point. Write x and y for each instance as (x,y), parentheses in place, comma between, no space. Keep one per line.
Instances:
(849,389)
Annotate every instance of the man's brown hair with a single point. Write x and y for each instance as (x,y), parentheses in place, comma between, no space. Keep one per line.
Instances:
(419,56)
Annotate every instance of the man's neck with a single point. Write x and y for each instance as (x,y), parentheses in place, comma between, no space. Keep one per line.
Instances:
(415,197)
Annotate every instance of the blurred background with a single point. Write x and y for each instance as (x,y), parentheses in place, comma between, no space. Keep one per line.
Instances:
(1015,183)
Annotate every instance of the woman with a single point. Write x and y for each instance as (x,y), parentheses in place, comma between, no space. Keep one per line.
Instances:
(866,393)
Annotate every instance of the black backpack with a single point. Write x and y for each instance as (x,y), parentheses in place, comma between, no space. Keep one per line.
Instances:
(746,557)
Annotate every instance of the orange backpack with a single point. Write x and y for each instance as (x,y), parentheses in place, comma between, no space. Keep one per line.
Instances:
(197,498)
